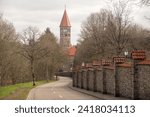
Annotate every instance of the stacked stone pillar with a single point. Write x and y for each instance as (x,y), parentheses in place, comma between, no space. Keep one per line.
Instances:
(116,61)
(136,56)
(96,66)
(105,63)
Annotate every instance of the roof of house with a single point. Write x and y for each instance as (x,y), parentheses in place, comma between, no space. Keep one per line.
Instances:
(65,20)
(72,51)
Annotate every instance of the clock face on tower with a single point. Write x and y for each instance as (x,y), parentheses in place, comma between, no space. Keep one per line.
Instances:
(65,30)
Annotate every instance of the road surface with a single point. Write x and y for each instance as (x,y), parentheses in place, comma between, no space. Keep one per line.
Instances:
(58,90)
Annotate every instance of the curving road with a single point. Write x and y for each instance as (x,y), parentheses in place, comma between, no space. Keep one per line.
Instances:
(58,90)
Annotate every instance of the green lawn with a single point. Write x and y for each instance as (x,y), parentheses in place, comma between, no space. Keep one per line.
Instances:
(18,91)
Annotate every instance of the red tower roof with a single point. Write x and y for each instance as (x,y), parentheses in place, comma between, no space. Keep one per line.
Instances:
(65,20)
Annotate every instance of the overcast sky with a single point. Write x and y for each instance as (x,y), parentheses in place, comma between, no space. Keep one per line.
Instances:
(48,13)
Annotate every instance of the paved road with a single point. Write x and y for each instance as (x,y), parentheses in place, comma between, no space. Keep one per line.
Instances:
(58,90)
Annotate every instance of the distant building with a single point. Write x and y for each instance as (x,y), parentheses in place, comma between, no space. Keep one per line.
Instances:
(65,41)
(65,31)
(71,53)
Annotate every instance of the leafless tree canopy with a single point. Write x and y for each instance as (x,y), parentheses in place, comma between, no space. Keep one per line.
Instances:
(109,33)
(146,2)
(42,52)
(29,56)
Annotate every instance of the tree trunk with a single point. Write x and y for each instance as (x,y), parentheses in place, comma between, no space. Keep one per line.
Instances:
(47,73)
(118,51)
(1,80)
(13,80)
(32,71)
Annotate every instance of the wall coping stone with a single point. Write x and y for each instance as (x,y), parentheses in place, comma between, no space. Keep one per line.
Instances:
(119,59)
(96,63)
(109,67)
(128,65)
(138,55)
(146,62)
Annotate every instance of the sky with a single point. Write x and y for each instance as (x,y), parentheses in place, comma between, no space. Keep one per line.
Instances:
(48,13)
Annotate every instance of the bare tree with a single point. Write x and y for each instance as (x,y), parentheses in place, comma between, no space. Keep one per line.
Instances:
(31,48)
(55,57)
(145,2)
(93,36)
(26,57)
(105,33)
(9,60)
(118,33)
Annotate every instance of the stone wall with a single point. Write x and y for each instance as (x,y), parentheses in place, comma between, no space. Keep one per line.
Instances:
(75,77)
(79,79)
(125,85)
(91,80)
(110,80)
(66,74)
(144,81)
(130,80)
(99,80)
(84,79)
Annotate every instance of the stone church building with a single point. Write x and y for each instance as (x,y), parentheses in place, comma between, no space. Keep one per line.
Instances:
(65,41)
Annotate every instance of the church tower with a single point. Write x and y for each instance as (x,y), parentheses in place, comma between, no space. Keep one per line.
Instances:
(65,31)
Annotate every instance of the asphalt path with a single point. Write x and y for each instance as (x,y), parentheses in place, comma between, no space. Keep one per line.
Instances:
(58,90)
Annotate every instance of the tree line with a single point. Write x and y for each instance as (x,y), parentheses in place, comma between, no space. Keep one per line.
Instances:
(28,56)
(111,32)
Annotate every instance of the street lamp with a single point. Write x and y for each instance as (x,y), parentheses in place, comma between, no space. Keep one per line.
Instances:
(83,64)
(126,53)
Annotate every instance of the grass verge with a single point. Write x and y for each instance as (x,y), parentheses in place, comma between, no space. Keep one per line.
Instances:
(18,91)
